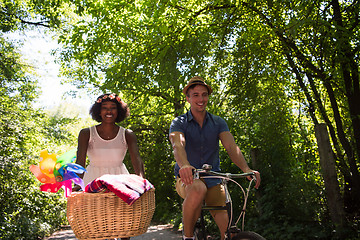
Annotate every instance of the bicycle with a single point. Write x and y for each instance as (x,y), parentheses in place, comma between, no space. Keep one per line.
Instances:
(233,232)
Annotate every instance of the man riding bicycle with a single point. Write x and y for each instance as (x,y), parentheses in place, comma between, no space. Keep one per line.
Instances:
(195,139)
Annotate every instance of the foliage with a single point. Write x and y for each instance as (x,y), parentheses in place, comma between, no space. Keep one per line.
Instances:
(24,14)
(27,213)
(277,69)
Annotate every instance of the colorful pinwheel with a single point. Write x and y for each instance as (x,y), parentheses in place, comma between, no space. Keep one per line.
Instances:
(58,172)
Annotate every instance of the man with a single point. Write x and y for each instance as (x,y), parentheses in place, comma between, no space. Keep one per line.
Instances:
(195,139)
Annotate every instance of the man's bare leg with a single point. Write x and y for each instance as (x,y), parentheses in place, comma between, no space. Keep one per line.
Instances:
(222,219)
(195,194)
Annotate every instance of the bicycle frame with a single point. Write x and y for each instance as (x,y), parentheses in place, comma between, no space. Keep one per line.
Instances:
(225,177)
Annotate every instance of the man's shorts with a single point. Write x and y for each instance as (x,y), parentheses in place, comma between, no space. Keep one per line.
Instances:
(215,195)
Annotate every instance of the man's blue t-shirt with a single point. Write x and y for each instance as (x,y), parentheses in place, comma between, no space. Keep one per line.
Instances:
(202,144)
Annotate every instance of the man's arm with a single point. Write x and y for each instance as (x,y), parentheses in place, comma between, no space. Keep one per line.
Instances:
(236,155)
(177,140)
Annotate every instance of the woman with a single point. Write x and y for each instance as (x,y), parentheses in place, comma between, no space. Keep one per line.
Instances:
(107,143)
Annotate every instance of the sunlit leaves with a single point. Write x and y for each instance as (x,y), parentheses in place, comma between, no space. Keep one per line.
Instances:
(255,54)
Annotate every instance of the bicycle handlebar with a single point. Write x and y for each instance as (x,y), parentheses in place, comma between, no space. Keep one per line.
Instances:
(206,171)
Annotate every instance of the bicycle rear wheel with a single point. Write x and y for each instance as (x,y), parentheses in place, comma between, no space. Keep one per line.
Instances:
(247,236)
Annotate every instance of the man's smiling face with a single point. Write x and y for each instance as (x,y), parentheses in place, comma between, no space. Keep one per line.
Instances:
(198,98)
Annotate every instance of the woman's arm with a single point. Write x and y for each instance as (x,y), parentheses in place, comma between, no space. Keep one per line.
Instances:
(83,142)
(133,148)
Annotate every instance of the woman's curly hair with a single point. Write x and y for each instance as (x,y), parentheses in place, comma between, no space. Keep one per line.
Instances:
(122,108)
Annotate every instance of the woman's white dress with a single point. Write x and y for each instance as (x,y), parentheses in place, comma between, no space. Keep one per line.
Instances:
(106,156)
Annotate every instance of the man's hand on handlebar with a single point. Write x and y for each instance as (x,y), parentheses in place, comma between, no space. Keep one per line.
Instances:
(257,178)
(186,174)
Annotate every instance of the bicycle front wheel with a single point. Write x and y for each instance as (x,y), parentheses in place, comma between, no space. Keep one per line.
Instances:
(247,236)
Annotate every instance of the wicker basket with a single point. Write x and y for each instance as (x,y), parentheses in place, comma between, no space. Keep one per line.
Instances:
(104,215)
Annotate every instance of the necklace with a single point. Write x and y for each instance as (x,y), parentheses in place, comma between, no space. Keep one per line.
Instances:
(106,134)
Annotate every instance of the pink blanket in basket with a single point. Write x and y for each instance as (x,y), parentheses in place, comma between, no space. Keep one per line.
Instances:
(128,187)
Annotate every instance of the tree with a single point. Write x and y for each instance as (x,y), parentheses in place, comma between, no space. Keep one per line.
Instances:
(27,213)
(308,50)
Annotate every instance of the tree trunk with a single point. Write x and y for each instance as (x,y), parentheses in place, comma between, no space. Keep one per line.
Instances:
(350,74)
(332,190)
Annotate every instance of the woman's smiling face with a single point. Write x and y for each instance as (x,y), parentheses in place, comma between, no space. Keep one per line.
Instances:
(108,111)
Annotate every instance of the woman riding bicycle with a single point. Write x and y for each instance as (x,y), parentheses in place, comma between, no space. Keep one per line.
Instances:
(195,139)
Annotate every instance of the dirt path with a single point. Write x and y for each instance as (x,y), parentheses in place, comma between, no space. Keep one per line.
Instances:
(158,232)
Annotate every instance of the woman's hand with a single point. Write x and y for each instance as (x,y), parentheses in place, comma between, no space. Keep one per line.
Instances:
(76,188)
